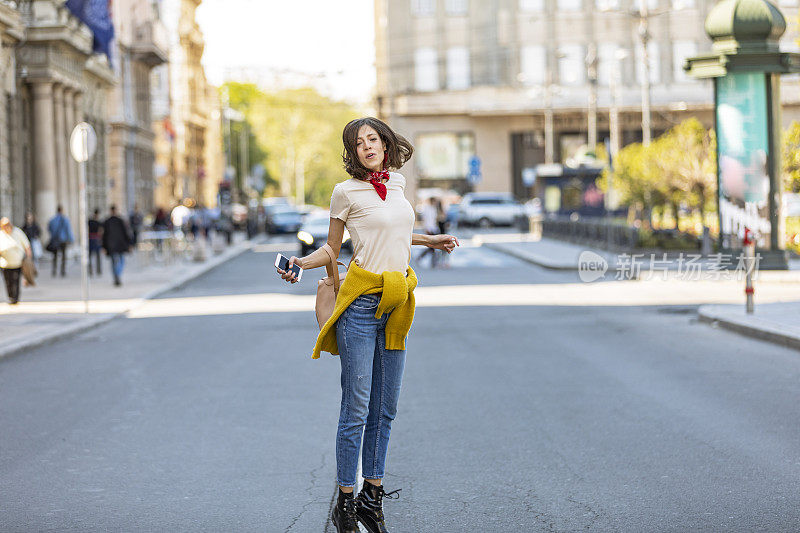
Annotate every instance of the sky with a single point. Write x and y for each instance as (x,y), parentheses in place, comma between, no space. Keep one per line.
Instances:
(328,44)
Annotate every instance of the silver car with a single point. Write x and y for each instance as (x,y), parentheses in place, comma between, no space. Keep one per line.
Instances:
(487,209)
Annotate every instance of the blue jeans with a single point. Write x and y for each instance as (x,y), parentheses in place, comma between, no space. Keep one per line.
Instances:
(371,377)
(117,264)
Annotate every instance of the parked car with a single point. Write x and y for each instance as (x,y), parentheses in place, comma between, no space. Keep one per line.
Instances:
(314,233)
(487,209)
(283,219)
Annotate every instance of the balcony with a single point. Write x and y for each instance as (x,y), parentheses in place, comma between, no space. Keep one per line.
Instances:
(150,43)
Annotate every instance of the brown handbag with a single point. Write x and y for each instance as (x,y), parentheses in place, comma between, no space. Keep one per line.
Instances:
(328,288)
(29,271)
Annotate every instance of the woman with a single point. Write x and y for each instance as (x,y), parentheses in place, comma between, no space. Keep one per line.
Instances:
(374,309)
(14,246)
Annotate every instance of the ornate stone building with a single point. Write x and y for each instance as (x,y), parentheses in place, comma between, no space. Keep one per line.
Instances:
(12,191)
(59,82)
(141,45)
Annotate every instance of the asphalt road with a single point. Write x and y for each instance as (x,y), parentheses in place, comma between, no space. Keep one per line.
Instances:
(195,417)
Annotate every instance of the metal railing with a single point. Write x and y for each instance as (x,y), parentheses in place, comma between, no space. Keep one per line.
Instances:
(598,232)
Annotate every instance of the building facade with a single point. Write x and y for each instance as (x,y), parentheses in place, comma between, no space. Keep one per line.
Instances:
(141,45)
(513,82)
(14,195)
(183,113)
(59,82)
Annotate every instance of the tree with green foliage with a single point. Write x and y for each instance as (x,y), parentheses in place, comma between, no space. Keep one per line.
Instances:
(298,130)
(678,168)
(634,178)
(687,155)
(790,157)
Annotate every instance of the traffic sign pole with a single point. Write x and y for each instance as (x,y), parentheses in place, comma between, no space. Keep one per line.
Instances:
(82,145)
(84,232)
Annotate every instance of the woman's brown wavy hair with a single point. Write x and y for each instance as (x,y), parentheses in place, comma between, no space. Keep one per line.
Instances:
(398,148)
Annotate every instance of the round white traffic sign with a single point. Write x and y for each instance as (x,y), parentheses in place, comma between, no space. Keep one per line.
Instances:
(83,142)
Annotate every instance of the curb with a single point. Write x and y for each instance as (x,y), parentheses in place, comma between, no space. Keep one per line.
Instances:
(530,258)
(709,314)
(88,323)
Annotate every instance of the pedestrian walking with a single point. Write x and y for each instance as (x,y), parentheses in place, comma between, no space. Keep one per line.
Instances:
(430,227)
(442,225)
(135,220)
(34,234)
(161,224)
(373,311)
(60,237)
(117,241)
(14,246)
(95,242)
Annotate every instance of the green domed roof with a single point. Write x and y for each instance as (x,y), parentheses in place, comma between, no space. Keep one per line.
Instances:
(745,23)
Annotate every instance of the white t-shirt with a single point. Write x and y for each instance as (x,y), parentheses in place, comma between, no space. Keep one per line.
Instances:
(381,229)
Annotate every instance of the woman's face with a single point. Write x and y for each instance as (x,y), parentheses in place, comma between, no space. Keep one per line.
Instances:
(370,148)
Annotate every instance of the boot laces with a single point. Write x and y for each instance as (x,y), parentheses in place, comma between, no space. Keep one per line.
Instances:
(349,506)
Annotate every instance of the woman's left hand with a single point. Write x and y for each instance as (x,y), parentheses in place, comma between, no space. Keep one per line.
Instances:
(444,242)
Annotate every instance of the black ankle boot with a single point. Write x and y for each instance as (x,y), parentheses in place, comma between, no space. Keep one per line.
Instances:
(344,514)
(370,507)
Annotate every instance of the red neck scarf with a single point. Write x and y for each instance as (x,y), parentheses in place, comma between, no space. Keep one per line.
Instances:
(375,178)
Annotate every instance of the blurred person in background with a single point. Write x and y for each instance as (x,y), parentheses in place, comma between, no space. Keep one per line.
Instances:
(431,227)
(135,220)
(60,237)
(34,234)
(14,246)
(117,241)
(442,227)
(95,242)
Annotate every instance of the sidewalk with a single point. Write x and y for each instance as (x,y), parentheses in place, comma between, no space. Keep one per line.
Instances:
(774,322)
(54,308)
(560,255)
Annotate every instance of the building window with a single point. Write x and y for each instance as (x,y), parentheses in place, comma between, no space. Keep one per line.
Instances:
(570,5)
(533,65)
(444,155)
(457,67)
(689,4)
(607,5)
(607,61)
(651,4)
(680,51)
(655,64)
(531,6)
(456,7)
(423,8)
(571,67)
(426,76)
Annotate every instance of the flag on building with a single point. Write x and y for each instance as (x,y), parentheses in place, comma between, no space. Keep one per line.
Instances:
(96,14)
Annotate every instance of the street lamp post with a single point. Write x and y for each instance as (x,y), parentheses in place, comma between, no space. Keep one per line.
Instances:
(591,70)
(549,129)
(642,15)
(644,37)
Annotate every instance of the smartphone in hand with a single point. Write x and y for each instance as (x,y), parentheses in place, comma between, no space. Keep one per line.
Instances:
(282,262)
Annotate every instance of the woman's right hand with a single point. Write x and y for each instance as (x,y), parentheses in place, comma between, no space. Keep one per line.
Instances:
(288,275)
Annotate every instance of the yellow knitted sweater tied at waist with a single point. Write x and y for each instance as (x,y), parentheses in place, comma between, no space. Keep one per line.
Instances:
(397,298)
